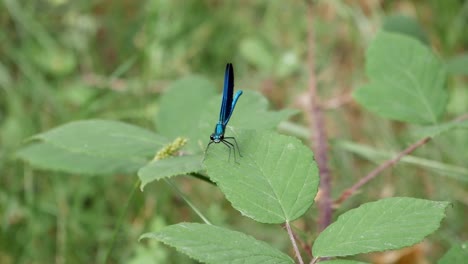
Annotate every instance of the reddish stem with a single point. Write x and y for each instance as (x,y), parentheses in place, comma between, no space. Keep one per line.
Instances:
(347,193)
(350,191)
(319,136)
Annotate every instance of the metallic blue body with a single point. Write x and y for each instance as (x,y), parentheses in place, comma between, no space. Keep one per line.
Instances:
(220,127)
(228,104)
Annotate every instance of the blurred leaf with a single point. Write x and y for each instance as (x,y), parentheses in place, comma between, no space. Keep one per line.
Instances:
(436,130)
(5,78)
(12,131)
(50,157)
(169,167)
(252,113)
(407,82)
(458,97)
(212,244)
(386,224)
(372,154)
(288,64)
(255,52)
(405,25)
(274,181)
(104,138)
(152,251)
(78,93)
(181,108)
(458,254)
(52,59)
(458,64)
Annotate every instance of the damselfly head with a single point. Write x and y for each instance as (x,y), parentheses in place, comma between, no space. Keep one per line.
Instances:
(216,138)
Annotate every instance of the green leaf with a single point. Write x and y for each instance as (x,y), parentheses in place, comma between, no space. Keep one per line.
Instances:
(104,138)
(458,97)
(212,244)
(405,25)
(407,81)
(386,224)
(196,115)
(182,107)
(92,147)
(242,118)
(253,102)
(458,254)
(458,64)
(435,130)
(169,167)
(50,157)
(274,181)
(256,53)
(342,261)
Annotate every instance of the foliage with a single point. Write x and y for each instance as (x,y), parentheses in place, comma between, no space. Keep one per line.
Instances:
(387,224)
(407,82)
(68,68)
(213,244)
(457,254)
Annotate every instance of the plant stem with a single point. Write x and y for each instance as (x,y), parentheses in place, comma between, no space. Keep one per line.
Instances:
(121,219)
(187,200)
(371,175)
(350,191)
(293,241)
(317,127)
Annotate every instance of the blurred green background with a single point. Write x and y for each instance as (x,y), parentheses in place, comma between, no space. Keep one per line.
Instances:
(63,60)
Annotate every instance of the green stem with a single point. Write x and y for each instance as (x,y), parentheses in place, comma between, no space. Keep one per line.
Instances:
(120,221)
(187,200)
